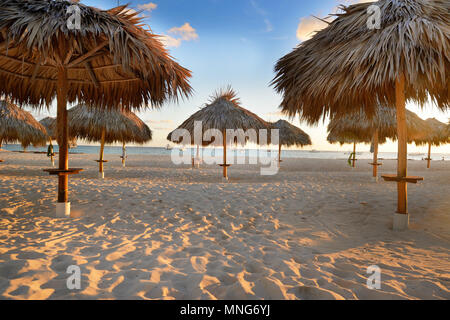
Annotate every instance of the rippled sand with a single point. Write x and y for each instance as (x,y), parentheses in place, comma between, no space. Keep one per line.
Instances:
(156,231)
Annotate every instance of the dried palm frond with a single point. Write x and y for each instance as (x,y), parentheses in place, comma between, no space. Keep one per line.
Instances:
(221,113)
(19,125)
(111,61)
(291,135)
(120,125)
(347,66)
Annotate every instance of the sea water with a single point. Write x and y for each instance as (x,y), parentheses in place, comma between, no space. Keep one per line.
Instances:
(302,154)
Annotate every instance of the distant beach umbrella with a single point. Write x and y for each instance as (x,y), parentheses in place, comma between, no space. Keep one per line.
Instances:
(362,60)
(290,135)
(107,127)
(107,59)
(222,113)
(358,127)
(50,125)
(19,125)
(438,134)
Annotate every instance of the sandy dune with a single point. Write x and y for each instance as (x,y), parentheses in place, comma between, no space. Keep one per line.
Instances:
(156,231)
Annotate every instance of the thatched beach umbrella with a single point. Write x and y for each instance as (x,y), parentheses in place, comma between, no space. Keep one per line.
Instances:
(222,113)
(354,63)
(17,124)
(335,135)
(357,127)
(438,134)
(107,127)
(49,124)
(290,135)
(108,60)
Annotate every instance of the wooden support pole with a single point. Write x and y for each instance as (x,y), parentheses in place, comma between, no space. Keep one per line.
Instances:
(225,173)
(102,148)
(429,156)
(63,134)
(279,154)
(375,154)
(52,154)
(123,154)
(354,155)
(402,166)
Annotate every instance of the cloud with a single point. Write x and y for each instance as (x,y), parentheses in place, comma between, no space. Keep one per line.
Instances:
(257,8)
(185,32)
(308,26)
(263,13)
(148,6)
(179,34)
(269,26)
(169,41)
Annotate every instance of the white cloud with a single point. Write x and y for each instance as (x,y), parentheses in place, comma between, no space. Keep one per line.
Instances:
(185,32)
(263,13)
(269,26)
(179,34)
(147,6)
(308,26)
(169,41)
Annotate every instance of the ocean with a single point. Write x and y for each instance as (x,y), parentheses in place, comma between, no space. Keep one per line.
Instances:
(305,154)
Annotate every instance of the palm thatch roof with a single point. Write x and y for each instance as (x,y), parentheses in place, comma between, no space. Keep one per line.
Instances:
(49,124)
(348,66)
(119,125)
(438,134)
(111,61)
(291,135)
(359,127)
(221,113)
(19,125)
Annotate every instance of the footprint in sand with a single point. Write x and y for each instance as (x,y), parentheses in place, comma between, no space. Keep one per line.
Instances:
(313,293)
(199,263)
(120,252)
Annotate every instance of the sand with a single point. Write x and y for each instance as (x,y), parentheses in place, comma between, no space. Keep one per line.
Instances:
(156,231)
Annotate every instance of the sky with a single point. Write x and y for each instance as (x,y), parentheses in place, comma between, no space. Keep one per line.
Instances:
(237,43)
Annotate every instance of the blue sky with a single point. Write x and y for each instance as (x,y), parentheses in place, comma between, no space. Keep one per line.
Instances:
(235,42)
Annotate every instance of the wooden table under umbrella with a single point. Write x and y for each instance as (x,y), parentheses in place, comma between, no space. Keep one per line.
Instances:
(224,115)
(290,135)
(19,125)
(111,61)
(351,64)
(107,127)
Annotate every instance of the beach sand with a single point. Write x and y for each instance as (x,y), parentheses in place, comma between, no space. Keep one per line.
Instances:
(153,230)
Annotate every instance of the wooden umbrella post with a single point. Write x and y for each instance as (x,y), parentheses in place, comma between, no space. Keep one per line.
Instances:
(279,154)
(52,155)
(225,173)
(63,206)
(429,156)
(375,154)
(124,156)
(197,160)
(101,173)
(402,165)
(401,218)
(354,155)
